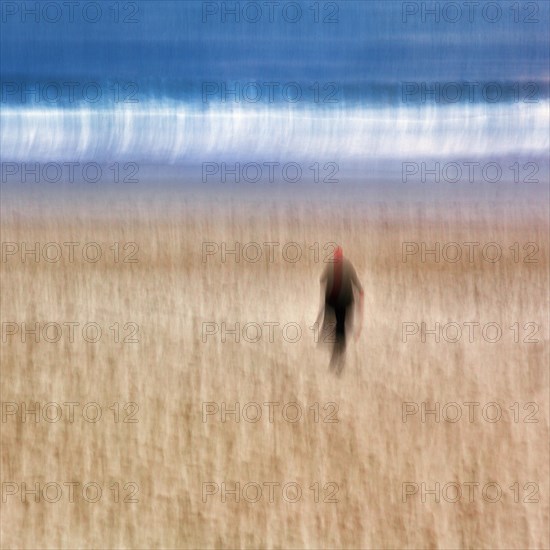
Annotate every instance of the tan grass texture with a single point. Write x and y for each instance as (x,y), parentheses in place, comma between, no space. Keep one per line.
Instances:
(170,453)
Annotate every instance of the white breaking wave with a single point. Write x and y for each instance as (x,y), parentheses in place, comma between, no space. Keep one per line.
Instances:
(175,132)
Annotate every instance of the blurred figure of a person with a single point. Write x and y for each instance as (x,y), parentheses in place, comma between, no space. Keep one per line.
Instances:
(338,283)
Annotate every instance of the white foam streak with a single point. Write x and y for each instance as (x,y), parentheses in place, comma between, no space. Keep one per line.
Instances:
(172,132)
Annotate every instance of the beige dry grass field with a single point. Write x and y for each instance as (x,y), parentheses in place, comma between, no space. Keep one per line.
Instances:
(170,453)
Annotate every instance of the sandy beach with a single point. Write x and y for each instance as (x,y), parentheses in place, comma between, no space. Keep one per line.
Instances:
(330,461)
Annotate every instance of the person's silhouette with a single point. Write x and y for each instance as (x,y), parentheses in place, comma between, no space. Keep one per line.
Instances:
(338,281)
